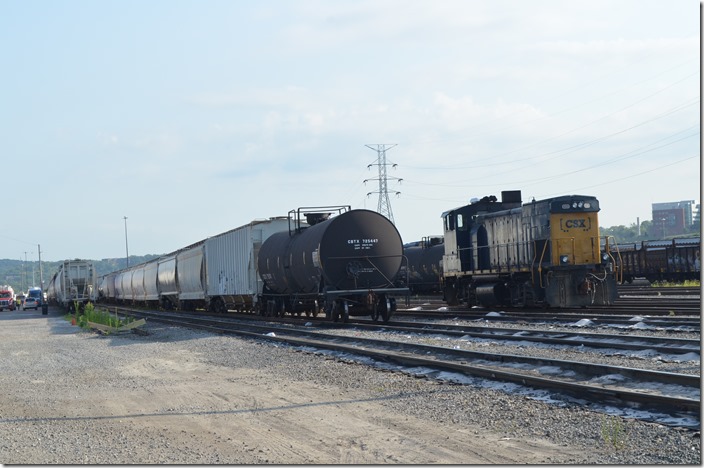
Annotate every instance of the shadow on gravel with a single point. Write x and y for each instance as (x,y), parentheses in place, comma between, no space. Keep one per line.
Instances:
(170,413)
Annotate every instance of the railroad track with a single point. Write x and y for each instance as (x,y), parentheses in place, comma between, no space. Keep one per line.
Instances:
(686,322)
(634,290)
(655,393)
(674,346)
(652,305)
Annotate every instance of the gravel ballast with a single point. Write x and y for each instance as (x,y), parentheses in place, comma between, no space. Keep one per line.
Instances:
(182,397)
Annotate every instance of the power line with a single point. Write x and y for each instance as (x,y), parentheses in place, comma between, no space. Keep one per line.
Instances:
(384,206)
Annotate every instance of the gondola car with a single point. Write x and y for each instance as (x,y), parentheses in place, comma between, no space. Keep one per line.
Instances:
(674,260)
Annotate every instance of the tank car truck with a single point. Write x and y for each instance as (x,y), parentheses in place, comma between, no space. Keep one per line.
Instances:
(541,253)
(334,259)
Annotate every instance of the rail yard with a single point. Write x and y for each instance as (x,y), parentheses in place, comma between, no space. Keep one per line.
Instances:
(230,388)
(321,338)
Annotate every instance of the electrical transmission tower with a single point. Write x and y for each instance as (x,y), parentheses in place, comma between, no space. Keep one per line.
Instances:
(384,206)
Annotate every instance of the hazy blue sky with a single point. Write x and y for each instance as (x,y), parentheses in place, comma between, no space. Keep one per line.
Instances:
(195,117)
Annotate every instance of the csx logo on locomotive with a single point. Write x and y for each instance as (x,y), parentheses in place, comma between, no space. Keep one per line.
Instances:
(580,223)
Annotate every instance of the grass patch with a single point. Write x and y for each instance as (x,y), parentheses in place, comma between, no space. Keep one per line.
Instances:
(103,317)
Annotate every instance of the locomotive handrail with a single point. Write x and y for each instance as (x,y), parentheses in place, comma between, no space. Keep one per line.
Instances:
(617,265)
(540,264)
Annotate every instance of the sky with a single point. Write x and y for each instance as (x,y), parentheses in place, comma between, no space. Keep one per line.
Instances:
(191,118)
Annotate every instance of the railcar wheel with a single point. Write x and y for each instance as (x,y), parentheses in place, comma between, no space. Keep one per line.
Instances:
(450,294)
(375,312)
(387,309)
(335,311)
(345,313)
(218,306)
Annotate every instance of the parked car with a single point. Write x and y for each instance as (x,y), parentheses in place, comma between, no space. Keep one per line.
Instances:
(31,303)
(35,293)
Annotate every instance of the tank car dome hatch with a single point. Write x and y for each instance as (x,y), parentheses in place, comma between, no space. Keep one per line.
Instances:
(315,218)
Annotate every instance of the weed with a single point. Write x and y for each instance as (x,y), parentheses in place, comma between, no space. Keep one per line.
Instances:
(91,314)
(613,432)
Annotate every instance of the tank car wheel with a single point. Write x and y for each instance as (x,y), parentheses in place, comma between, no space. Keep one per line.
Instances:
(345,313)
(385,315)
(388,309)
(375,312)
(338,312)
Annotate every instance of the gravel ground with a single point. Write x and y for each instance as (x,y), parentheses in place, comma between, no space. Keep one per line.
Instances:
(187,397)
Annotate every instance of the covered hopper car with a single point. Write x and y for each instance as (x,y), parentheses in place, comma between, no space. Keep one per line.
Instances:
(72,284)
(217,274)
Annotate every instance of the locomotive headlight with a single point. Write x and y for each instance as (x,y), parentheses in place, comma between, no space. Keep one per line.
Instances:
(564,259)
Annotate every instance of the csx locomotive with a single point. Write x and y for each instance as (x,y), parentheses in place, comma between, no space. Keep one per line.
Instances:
(541,253)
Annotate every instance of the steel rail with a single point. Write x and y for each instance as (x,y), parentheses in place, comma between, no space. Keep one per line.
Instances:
(595,340)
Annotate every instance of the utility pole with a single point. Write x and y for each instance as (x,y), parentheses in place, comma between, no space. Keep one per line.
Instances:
(384,206)
(24,273)
(127,252)
(41,276)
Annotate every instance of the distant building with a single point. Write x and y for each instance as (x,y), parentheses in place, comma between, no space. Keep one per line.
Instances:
(674,218)
(696,216)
